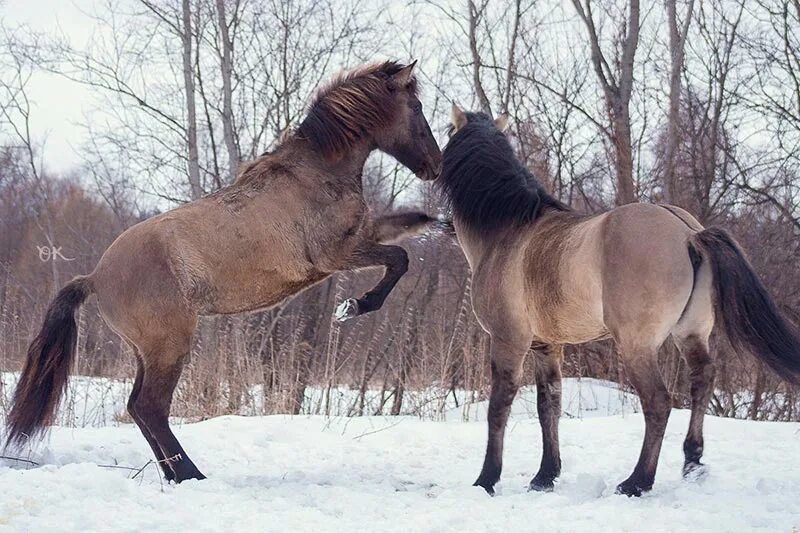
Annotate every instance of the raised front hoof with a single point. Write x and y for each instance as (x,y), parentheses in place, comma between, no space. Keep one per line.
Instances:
(347,309)
(694,471)
(542,484)
(486,485)
(633,487)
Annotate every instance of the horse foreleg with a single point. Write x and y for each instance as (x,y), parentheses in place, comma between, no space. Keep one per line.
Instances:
(393,258)
(506,362)
(548,405)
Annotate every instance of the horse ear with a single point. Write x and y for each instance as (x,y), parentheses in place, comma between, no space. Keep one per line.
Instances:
(457,117)
(501,122)
(403,76)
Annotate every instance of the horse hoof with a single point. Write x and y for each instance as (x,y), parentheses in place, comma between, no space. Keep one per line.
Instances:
(185,469)
(694,471)
(489,488)
(196,475)
(630,488)
(347,309)
(169,475)
(541,485)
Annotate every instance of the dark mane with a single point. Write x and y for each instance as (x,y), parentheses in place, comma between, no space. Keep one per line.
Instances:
(484,182)
(354,103)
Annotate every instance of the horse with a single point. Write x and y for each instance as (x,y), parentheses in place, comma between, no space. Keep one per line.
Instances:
(544,276)
(292,217)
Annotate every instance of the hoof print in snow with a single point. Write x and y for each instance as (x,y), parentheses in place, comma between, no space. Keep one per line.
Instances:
(346,310)
(695,472)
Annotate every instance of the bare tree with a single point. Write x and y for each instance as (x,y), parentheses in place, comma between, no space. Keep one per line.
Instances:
(191,108)
(707,150)
(226,65)
(253,66)
(677,44)
(617,84)
(15,112)
(475,13)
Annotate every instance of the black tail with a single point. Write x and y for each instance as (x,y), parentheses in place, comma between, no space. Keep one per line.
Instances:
(749,315)
(50,355)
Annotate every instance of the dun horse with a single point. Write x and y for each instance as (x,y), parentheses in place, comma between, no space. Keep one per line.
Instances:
(293,217)
(544,276)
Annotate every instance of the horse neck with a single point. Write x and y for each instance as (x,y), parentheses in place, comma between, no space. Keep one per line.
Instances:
(479,243)
(346,169)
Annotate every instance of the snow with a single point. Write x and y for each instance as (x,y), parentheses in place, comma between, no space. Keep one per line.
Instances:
(312,473)
(99,402)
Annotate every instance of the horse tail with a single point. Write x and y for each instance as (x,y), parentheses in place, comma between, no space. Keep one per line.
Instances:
(750,317)
(50,355)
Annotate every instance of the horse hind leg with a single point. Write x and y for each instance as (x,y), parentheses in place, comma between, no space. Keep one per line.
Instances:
(548,406)
(691,335)
(169,474)
(694,349)
(162,369)
(642,369)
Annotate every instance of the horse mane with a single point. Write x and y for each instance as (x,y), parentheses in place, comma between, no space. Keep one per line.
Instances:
(354,103)
(485,184)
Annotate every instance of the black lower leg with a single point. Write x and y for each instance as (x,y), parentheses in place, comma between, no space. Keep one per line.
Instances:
(701,379)
(548,405)
(505,382)
(656,408)
(152,407)
(169,474)
(394,259)
(176,458)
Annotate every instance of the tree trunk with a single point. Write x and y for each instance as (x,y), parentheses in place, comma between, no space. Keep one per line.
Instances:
(677,46)
(758,393)
(623,152)
(227,93)
(195,188)
(474,17)
(400,387)
(617,85)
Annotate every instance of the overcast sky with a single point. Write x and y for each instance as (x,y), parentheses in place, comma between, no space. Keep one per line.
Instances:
(58,105)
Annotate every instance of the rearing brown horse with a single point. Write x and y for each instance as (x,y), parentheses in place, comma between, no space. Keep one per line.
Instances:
(544,276)
(293,217)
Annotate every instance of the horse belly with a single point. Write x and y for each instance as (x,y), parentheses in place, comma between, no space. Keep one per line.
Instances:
(573,313)
(580,323)
(263,290)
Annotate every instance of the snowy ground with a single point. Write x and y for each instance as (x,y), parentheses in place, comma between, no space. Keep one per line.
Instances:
(100,402)
(304,473)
